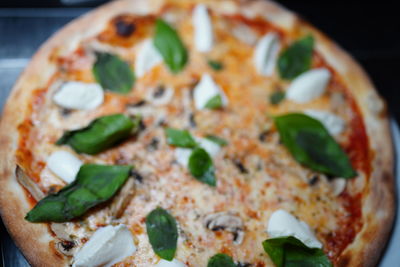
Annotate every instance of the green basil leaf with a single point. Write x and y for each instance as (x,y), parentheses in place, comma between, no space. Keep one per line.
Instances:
(218,140)
(100,134)
(277,97)
(170,46)
(311,145)
(162,232)
(201,166)
(215,65)
(221,260)
(288,251)
(94,184)
(113,74)
(296,59)
(214,102)
(180,138)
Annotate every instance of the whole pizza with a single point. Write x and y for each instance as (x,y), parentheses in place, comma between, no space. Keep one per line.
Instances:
(195,133)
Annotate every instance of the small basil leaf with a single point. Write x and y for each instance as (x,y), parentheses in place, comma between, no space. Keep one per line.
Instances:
(221,260)
(113,74)
(180,138)
(218,140)
(201,166)
(290,252)
(214,102)
(296,59)
(215,65)
(93,185)
(311,145)
(277,97)
(170,46)
(100,134)
(162,232)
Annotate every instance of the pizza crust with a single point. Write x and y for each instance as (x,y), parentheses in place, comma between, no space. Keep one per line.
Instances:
(379,205)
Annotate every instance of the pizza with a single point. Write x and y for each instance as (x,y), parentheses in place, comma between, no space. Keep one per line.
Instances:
(195,133)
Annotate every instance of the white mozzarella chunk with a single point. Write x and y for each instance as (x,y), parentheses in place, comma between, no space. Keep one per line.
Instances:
(183,154)
(266,54)
(334,124)
(79,95)
(107,246)
(207,89)
(173,263)
(309,85)
(147,58)
(203,30)
(64,164)
(211,147)
(338,186)
(281,223)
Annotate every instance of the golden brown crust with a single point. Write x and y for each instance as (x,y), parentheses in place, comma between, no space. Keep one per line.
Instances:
(378,202)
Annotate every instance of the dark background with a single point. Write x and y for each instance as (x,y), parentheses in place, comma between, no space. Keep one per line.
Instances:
(369,31)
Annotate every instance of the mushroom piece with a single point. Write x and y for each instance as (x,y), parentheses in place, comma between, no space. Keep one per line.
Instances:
(28,184)
(65,243)
(227,222)
(122,199)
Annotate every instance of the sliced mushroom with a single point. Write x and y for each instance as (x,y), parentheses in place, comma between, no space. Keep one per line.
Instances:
(29,185)
(338,186)
(65,243)
(227,222)
(122,199)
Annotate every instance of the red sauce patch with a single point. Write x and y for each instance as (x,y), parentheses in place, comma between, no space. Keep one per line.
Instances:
(351,224)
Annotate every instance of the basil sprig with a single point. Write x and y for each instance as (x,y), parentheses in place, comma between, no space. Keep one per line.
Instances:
(216,139)
(100,134)
(214,102)
(201,166)
(112,73)
(162,233)
(170,46)
(200,163)
(277,97)
(296,59)
(215,65)
(289,251)
(221,260)
(180,138)
(311,145)
(93,185)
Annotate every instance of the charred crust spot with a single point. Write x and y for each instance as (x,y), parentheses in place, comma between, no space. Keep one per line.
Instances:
(67,245)
(314,180)
(159,92)
(263,136)
(140,103)
(239,165)
(153,145)
(138,177)
(192,120)
(124,28)
(65,112)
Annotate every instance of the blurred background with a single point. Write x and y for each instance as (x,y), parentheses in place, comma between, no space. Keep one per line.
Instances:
(370,31)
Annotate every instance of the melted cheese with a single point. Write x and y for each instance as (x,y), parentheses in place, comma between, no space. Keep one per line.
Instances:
(255,177)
